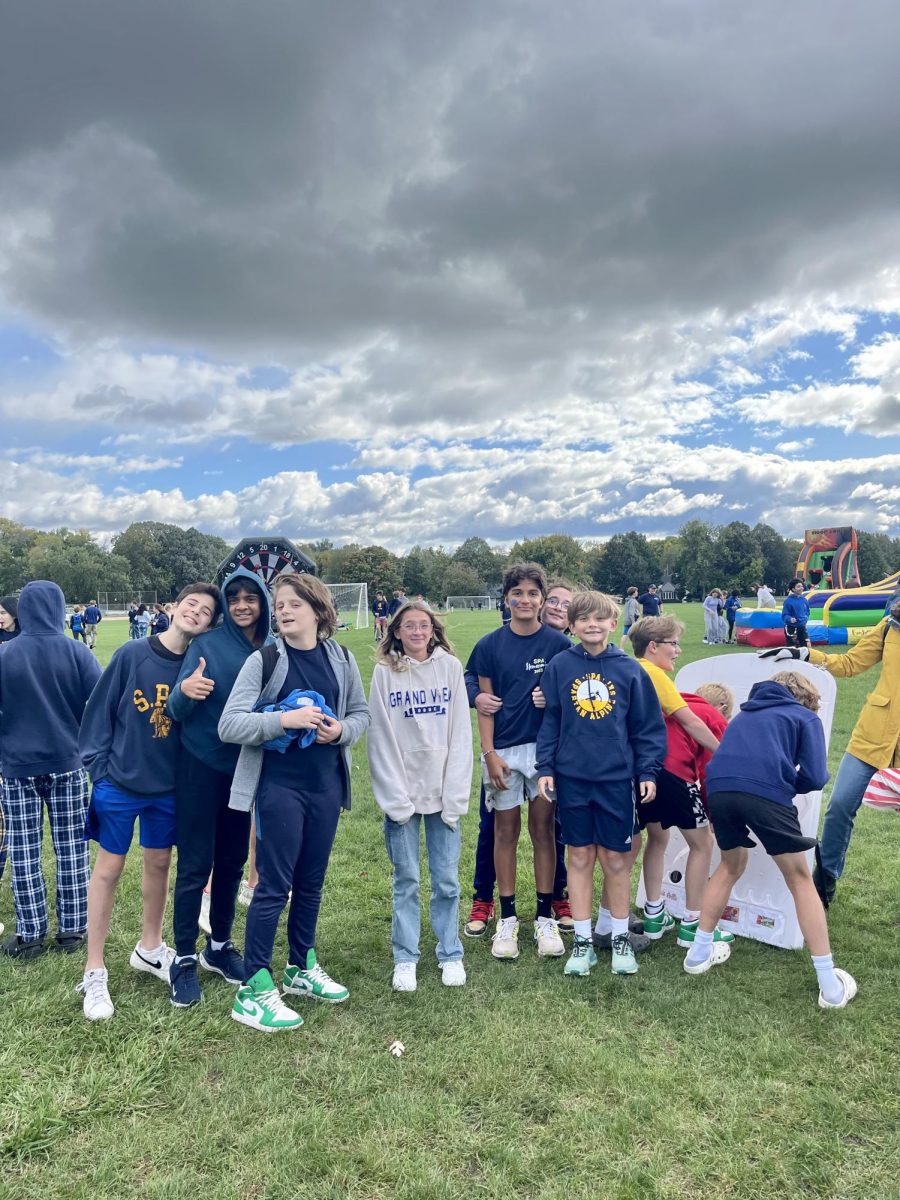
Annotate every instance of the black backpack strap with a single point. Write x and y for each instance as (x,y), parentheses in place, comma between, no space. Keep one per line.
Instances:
(269,656)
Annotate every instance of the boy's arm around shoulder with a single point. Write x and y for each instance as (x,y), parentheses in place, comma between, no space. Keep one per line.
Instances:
(239,723)
(355,720)
(458,770)
(551,722)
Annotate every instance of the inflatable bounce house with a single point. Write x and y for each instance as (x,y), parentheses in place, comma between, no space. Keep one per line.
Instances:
(841,611)
(829,559)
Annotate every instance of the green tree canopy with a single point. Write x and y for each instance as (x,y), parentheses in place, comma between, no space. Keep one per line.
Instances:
(628,559)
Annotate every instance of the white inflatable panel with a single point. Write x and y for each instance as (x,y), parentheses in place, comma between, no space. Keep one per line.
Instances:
(760,906)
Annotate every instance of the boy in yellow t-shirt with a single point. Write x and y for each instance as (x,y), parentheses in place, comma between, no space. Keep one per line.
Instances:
(656,642)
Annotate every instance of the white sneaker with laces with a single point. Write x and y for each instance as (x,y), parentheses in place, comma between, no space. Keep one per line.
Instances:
(547,938)
(404,977)
(505,942)
(94,987)
(245,893)
(156,964)
(203,920)
(453,974)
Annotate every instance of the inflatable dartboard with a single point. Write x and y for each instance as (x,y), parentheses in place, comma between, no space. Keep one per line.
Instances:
(267,557)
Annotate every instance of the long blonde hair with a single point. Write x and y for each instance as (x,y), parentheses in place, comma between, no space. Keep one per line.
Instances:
(390,648)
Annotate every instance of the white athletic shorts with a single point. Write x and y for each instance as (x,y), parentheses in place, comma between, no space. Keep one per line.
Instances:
(521,782)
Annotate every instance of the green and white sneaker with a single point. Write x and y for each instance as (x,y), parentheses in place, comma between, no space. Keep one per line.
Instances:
(313,982)
(582,957)
(258,1005)
(657,925)
(623,960)
(687,930)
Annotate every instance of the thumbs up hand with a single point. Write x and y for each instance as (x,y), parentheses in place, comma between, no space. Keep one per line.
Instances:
(195,686)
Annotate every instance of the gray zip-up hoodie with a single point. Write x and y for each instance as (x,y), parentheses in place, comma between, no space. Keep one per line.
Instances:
(239,723)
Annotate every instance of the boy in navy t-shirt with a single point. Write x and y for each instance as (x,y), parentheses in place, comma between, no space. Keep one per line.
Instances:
(129,744)
(509,663)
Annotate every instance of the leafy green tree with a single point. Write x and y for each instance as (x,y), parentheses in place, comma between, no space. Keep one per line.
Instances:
(374,565)
(697,569)
(629,559)
(779,556)
(461,580)
(557,553)
(166,557)
(485,562)
(424,569)
(15,542)
(69,559)
(874,561)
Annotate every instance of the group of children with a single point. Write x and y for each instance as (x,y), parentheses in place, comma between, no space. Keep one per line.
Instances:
(718,617)
(188,731)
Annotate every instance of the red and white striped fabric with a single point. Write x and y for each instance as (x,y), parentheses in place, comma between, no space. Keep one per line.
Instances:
(884,789)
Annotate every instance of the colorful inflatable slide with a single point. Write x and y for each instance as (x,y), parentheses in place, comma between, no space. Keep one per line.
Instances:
(829,558)
(836,618)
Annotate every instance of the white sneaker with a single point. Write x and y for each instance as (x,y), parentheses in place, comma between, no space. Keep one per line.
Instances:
(547,938)
(203,920)
(94,988)
(453,974)
(505,942)
(404,977)
(157,965)
(245,893)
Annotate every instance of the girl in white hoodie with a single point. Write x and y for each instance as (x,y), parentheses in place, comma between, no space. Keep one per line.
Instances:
(420,755)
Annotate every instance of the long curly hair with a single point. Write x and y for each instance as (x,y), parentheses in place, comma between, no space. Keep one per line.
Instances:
(390,648)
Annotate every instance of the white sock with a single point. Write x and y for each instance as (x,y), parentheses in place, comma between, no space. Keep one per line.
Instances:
(702,947)
(604,921)
(213,945)
(619,927)
(180,958)
(691,915)
(653,907)
(829,984)
(156,952)
(583,929)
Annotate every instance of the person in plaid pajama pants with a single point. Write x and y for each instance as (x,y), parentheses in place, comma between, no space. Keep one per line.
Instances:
(45,681)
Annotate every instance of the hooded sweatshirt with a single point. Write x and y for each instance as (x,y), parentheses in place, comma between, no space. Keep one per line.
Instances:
(602,720)
(774,748)
(45,681)
(225,649)
(420,738)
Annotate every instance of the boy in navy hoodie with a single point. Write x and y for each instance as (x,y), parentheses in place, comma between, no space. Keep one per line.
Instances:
(795,615)
(602,733)
(129,743)
(210,835)
(45,681)
(773,750)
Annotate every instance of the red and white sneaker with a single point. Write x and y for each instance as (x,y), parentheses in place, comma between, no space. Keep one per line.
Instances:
(562,915)
(482,912)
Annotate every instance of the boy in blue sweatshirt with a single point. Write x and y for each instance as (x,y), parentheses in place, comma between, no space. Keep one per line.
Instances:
(602,734)
(45,681)
(211,837)
(129,744)
(773,750)
(795,614)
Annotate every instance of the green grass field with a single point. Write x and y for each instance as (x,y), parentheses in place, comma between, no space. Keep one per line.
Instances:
(523,1084)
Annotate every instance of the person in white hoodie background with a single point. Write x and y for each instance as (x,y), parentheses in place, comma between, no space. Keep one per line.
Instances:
(420,756)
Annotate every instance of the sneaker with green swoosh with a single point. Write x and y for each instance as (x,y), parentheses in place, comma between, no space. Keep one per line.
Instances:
(259,1005)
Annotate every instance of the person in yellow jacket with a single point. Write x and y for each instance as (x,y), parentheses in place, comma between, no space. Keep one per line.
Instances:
(874,743)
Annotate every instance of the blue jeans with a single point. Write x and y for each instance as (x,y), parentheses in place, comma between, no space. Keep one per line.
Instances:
(850,783)
(442,844)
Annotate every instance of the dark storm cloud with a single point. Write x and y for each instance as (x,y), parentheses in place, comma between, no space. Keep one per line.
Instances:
(296,178)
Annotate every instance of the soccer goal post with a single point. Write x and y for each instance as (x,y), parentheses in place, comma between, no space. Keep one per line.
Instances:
(478,603)
(352,603)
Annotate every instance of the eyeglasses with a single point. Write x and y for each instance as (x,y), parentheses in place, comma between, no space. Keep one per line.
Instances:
(424,627)
(555,602)
(667,642)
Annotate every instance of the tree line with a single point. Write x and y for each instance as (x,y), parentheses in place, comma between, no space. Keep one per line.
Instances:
(155,556)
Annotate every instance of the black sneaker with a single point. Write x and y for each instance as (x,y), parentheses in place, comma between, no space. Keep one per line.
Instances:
(226,962)
(15,947)
(184,984)
(68,943)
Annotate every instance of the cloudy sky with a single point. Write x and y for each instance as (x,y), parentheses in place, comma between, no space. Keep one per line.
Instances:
(410,271)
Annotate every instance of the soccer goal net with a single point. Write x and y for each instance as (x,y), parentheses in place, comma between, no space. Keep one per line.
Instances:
(479,603)
(352,603)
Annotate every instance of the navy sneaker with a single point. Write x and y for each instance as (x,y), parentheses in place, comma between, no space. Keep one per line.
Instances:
(184,984)
(226,962)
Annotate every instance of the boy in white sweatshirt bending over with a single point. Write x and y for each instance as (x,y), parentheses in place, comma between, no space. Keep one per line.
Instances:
(420,755)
